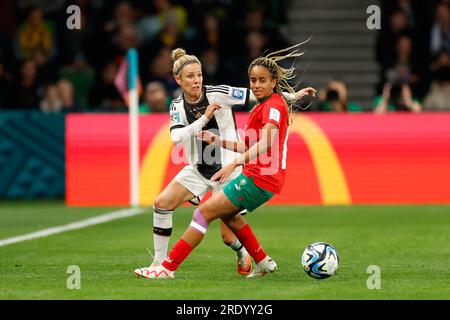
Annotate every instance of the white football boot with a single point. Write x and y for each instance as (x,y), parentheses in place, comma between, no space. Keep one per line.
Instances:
(155,272)
(264,267)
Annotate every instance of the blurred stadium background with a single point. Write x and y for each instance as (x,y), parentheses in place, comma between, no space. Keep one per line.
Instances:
(377,134)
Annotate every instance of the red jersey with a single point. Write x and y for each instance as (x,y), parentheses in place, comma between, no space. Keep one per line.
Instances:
(269,169)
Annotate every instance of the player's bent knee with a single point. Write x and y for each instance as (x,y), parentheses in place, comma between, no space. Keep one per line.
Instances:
(199,222)
(163,203)
(228,239)
(234,222)
(227,234)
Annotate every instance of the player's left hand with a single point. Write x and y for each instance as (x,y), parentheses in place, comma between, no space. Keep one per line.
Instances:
(224,173)
(306,91)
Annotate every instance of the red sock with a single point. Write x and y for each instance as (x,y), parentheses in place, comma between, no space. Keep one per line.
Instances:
(176,256)
(248,239)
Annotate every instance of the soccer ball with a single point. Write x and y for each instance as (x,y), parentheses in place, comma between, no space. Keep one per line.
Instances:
(320,260)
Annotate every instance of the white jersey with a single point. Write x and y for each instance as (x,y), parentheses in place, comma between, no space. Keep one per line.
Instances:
(188,119)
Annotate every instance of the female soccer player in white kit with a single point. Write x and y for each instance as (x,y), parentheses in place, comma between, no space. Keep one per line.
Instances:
(199,108)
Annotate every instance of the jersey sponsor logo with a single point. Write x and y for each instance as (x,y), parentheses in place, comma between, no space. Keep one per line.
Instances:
(274,115)
(175,117)
(237,93)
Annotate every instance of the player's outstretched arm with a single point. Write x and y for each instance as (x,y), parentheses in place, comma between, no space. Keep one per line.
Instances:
(291,96)
(211,138)
(268,134)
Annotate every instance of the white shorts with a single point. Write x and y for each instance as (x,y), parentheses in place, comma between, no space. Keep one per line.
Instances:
(193,180)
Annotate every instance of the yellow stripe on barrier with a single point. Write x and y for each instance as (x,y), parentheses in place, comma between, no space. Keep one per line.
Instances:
(332,182)
(154,166)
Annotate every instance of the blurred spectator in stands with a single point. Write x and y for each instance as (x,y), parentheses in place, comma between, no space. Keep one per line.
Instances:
(81,77)
(211,70)
(35,35)
(58,97)
(104,95)
(442,60)
(440,31)
(126,39)
(67,96)
(80,41)
(119,32)
(25,89)
(171,36)
(334,98)
(396,97)
(415,10)
(245,17)
(438,99)
(256,20)
(208,34)
(277,11)
(171,14)
(387,37)
(51,101)
(6,86)
(236,71)
(47,69)
(174,18)
(255,44)
(172,23)
(48,7)
(8,24)
(221,9)
(92,40)
(156,99)
(407,8)
(404,67)
(124,15)
(161,70)
(147,28)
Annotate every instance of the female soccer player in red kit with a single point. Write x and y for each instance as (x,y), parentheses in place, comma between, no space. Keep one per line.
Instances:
(264,152)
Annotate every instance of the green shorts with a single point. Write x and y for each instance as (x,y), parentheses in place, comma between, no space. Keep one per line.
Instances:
(244,194)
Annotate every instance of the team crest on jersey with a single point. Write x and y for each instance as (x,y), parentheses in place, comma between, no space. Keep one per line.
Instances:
(243,182)
(237,93)
(175,117)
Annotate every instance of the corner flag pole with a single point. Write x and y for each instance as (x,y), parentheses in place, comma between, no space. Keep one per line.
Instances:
(133,116)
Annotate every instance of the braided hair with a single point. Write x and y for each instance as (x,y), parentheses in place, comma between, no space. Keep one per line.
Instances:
(281,75)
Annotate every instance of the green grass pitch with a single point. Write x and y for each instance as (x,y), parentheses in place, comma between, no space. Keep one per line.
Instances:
(410,244)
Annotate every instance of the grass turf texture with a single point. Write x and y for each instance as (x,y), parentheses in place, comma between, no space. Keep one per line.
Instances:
(410,244)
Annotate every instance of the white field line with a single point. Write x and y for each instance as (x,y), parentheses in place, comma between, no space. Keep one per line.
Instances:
(74,225)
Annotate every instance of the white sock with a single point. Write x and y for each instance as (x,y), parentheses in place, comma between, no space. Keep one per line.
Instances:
(239,248)
(162,230)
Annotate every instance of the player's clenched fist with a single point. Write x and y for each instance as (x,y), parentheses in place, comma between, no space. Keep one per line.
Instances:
(208,137)
(210,110)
